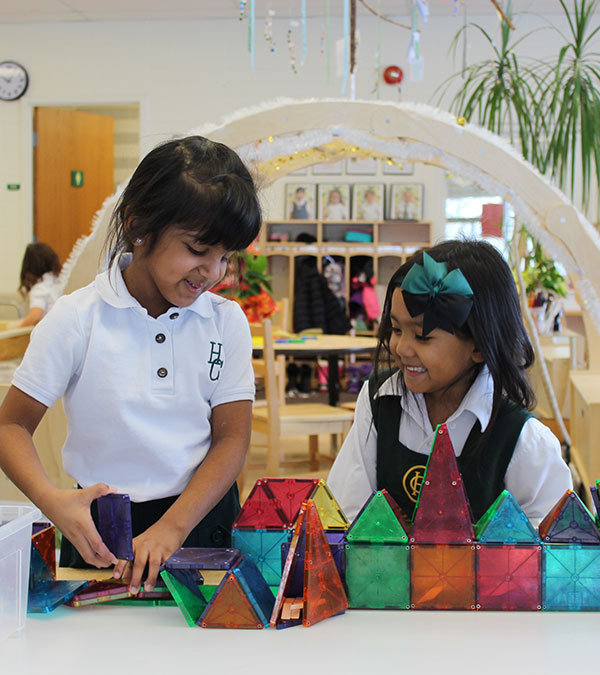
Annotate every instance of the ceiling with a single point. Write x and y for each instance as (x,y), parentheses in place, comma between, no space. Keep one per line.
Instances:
(26,11)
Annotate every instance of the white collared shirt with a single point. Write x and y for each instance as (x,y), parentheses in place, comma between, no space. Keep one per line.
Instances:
(138,391)
(536,476)
(45,293)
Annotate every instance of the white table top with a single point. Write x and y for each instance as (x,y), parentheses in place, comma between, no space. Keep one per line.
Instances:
(101,640)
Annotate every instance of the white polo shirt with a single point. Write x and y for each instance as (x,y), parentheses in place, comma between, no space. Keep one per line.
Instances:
(138,391)
(536,476)
(45,293)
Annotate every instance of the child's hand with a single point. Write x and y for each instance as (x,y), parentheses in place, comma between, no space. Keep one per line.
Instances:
(69,510)
(152,548)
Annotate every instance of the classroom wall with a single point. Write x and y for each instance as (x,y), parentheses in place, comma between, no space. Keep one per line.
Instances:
(187,73)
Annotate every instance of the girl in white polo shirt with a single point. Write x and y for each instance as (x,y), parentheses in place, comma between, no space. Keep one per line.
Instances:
(155,372)
(39,280)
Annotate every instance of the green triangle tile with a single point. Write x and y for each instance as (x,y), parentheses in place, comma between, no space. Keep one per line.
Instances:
(190,605)
(377,523)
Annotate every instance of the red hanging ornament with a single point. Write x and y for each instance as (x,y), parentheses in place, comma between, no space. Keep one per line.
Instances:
(393,75)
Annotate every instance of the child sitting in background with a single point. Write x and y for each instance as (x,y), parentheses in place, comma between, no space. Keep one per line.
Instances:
(452,327)
(39,280)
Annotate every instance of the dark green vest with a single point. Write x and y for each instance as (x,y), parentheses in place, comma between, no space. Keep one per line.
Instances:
(400,470)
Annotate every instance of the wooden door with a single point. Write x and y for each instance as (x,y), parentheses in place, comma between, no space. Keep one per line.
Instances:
(64,206)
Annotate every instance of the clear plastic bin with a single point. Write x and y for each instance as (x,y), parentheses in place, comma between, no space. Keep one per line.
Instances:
(16,520)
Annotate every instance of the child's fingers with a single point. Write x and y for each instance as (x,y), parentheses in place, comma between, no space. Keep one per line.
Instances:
(96,491)
(154,563)
(137,571)
(121,569)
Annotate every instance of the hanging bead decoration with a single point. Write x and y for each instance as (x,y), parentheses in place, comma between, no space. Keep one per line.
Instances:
(251,25)
(242,9)
(304,39)
(268,32)
(292,46)
(378,51)
(346,44)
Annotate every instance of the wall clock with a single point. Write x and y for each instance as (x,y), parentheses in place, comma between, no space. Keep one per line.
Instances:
(14,80)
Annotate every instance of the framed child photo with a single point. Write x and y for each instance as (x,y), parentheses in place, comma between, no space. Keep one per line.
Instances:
(328,168)
(334,201)
(300,201)
(406,201)
(396,167)
(367,201)
(363,166)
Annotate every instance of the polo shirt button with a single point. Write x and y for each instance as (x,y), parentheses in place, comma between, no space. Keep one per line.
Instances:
(162,372)
(175,315)
(160,337)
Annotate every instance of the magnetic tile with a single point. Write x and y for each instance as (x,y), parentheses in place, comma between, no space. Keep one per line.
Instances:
(114,524)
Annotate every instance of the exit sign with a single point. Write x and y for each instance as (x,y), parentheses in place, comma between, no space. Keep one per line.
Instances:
(77,178)
(13,186)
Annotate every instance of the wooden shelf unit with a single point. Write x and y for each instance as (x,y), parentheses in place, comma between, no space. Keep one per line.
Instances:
(393,241)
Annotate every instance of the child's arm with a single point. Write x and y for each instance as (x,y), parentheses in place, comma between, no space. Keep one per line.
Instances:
(69,510)
(36,314)
(353,477)
(231,427)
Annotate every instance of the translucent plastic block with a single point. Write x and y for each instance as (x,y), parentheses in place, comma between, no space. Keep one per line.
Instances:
(378,576)
(203,558)
(114,525)
(230,607)
(296,581)
(39,572)
(289,570)
(289,493)
(505,523)
(49,595)
(190,578)
(324,594)
(101,589)
(509,577)
(377,523)
(191,604)
(256,589)
(331,515)
(571,577)
(442,576)
(569,522)
(264,548)
(261,510)
(595,499)
(442,514)
(45,542)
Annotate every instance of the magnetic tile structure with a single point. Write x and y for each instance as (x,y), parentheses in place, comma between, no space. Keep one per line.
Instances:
(596,499)
(191,603)
(442,576)
(114,524)
(338,552)
(274,503)
(44,541)
(323,594)
(100,591)
(45,593)
(378,522)
(509,577)
(264,548)
(505,523)
(330,513)
(569,522)
(242,600)
(442,515)
(570,577)
(378,575)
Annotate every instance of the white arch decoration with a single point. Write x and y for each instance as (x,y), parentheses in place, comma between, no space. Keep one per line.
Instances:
(279,137)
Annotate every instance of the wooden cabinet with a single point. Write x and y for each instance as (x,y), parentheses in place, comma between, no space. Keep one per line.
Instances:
(387,243)
(585,425)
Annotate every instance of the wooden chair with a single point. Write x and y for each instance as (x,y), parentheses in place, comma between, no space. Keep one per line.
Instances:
(276,419)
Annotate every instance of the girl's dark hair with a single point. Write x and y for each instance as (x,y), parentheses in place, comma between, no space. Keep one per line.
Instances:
(495,322)
(195,184)
(38,259)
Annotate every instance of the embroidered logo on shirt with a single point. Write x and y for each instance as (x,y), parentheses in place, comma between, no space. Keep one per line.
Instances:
(412,481)
(215,361)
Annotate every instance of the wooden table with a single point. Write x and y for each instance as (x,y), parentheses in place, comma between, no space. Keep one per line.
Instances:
(330,347)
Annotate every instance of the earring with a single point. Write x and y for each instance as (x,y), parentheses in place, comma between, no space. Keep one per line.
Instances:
(137,241)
